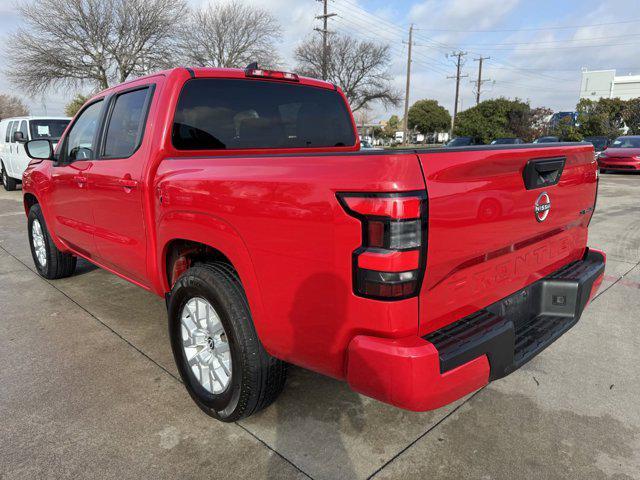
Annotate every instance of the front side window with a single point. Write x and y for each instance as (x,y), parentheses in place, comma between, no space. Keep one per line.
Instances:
(79,144)
(24,130)
(219,114)
(126,124)
(48,129)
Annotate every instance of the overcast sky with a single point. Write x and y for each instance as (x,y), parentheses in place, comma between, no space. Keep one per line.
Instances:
(533,55)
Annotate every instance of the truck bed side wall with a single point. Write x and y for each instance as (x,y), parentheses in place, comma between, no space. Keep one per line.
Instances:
(298,239)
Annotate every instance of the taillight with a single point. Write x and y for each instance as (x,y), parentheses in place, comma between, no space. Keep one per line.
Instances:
(389,265)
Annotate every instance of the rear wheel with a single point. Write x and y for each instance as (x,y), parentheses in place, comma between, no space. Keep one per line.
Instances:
(50,262)
(8,183)
(223,365)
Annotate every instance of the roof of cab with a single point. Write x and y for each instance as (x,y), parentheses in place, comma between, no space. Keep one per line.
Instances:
(207,72)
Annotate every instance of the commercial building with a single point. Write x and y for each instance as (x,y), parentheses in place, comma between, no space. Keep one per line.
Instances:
(597,84)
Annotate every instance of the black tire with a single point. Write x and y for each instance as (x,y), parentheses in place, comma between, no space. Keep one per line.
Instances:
(8,183)
(604,170)
(57,264)
(257,378)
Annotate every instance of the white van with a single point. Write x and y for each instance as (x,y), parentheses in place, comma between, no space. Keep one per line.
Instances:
(14,133)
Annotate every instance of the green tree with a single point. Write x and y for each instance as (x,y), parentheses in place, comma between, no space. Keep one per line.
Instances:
(75,104)
(496,118)
(631,116)
(428,117)
(567,131)
(591,118)
(392,126)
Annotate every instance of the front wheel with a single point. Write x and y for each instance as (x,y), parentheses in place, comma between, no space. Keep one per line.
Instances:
(8,183)
(223,365)
(50,262)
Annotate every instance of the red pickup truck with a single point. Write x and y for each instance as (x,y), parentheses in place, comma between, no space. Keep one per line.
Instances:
(242,197)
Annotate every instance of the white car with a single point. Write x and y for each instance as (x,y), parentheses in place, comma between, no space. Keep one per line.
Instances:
(14,133)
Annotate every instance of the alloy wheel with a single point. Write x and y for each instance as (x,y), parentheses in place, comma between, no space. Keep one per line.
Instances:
(206,345)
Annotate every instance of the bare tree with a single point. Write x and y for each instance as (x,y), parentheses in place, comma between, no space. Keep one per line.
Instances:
(360,68)
(12,106)
(230,35)
(68,43)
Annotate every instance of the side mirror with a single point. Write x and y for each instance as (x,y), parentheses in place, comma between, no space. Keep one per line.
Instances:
(19,137)
(39,149)
(605,147)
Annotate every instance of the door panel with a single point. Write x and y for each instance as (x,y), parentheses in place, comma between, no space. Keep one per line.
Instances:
(68,203)
(117,184)
(68,200)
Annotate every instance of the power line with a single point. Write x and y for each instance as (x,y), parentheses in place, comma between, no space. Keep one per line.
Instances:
(519,29)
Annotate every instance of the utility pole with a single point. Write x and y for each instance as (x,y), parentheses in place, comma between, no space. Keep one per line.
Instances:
(480,81)
(459,56)
(405,123)
(325,36)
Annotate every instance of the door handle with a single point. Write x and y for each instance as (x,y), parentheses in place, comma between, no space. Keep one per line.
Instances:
(81,180)
(127,183)
(543,172)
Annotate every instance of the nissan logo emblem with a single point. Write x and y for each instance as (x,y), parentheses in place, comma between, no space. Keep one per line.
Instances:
(542,207)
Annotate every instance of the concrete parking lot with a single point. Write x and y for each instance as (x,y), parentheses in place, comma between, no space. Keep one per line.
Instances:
(88,389)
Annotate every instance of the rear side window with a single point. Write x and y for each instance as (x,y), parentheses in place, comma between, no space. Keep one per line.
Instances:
(14,129)
(218,114)
(126,124)
(7,137)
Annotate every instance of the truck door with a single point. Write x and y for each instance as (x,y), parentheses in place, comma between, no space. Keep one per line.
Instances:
(20,157)
(68,199)
(10,160)
(116,185)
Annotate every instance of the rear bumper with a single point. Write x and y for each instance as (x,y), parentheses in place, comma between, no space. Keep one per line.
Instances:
(430,372)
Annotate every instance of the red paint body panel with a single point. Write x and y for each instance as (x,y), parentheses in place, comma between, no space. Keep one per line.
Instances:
(406,373)
(275,215)
(484,240)
(620,159)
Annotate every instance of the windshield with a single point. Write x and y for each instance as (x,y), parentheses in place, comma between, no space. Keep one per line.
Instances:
(626,142)
(238,114)
(504,141)
(459,142)
(47,128)
(547,140)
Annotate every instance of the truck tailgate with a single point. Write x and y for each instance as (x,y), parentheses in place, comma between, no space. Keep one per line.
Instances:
(489,235)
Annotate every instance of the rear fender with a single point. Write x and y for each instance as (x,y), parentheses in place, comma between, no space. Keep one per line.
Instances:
(219,235)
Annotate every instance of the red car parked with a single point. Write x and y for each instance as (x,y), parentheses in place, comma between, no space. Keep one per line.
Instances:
(242,197)
(622,156)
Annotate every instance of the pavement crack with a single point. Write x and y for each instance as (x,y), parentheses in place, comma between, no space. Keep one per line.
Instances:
(429,430)
(160,366)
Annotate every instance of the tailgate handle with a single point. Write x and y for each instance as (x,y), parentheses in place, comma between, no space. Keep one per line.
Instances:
(543,172)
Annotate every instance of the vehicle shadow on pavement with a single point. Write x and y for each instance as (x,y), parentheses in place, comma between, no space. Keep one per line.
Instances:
(317,416)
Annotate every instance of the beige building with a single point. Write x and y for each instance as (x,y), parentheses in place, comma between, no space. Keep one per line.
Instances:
(598,84)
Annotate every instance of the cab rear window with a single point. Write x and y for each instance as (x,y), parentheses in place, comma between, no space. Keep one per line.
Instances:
(220,114)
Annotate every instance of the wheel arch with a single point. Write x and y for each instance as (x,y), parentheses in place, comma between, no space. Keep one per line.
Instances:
(29,200)
(185,238)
